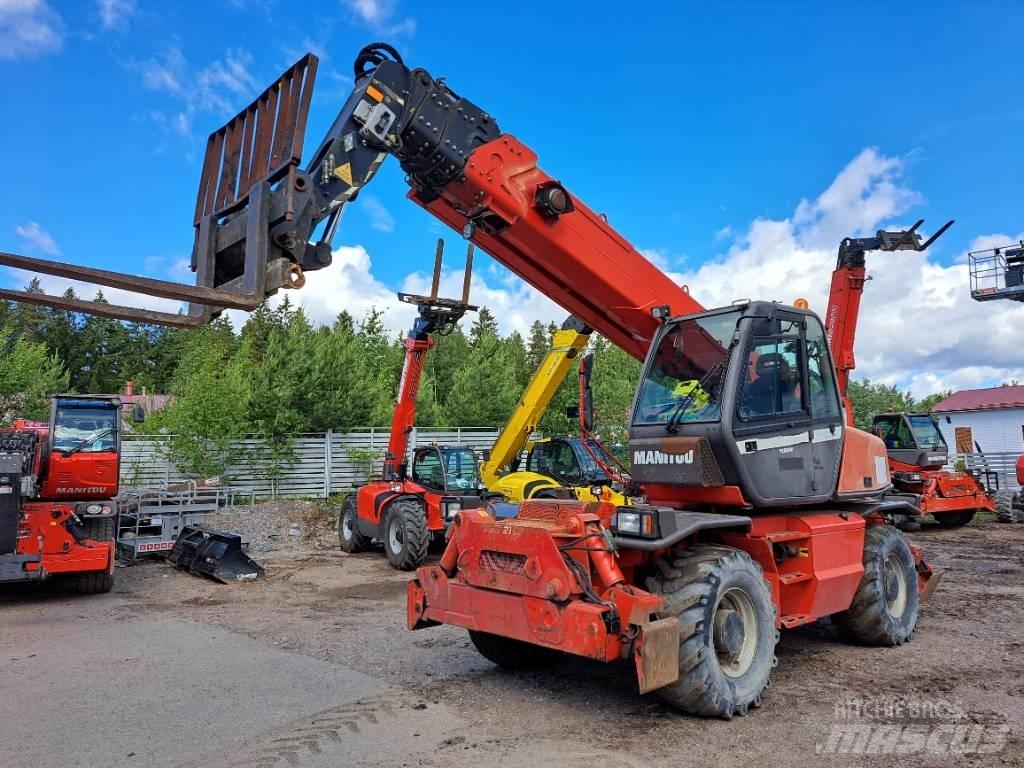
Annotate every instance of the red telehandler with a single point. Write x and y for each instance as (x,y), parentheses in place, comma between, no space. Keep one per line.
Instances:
(58,481)
(916,449)
(405,509)
(766,509)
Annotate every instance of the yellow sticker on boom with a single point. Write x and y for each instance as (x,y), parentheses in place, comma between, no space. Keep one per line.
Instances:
(344,172)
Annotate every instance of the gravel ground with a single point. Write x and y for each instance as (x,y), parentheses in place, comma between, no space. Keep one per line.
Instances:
(427,699)
(291,526)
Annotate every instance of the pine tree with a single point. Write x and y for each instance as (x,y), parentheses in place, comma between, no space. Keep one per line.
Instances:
(484,325)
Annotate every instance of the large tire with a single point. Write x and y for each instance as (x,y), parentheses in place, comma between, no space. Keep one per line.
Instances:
(955,519)
(95,582)
(512,654)
(1006,500)
(406,537)
(352,541)
(887,603)
(727,633)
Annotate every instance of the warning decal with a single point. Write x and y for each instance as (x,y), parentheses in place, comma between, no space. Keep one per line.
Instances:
(344,172)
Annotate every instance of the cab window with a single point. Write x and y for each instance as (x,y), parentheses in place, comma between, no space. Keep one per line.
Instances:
(427,470)
(461,470)
(86,430)
(823,396)
(556,460)
(894,433)
(771,382)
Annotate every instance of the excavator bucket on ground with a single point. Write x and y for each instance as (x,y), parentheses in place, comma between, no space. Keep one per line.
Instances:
(217,554)
(252,198)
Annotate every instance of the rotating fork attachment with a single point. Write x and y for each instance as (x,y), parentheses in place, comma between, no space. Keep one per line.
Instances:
(254,214)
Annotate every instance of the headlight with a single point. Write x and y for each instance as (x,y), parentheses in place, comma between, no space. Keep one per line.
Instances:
(93,509)
(396,487)
(450,509)
(597,491)
(642,523)
(914,477)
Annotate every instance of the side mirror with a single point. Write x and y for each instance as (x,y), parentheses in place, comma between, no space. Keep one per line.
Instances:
(138,414)
(573,411)
(586,406)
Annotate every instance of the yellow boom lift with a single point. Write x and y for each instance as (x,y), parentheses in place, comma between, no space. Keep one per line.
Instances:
(556,467)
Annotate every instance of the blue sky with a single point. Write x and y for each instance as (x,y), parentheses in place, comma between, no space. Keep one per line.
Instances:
(690,124)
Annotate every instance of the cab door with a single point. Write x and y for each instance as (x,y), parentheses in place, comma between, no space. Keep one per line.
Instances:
(787,426)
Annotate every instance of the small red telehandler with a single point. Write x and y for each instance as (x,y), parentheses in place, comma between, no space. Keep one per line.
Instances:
(404,509)
(57,485)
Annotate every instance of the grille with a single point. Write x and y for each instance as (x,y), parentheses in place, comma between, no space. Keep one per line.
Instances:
(503,562)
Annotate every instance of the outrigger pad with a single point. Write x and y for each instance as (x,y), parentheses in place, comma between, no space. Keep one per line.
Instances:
(217,554)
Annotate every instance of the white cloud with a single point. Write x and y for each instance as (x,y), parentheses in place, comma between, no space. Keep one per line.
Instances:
(115,13)
(37,237)
(29,29)
(380,219)
(221,87)
(349,285)
(918,325)
(380,14)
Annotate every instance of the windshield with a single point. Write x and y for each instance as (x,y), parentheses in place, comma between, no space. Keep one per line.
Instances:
(85,429)
(461,469)
(684,380)
(926,434)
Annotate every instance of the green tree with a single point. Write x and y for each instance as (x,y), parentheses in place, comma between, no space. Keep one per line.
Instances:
(29,374)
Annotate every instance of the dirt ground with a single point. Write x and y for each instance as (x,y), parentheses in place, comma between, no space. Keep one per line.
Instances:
(313,666)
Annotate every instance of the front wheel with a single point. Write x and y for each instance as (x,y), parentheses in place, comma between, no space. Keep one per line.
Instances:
(96,582)
(887,603)
(348,527)
(406,537)
(1007,503)
(955,519)
(727,631)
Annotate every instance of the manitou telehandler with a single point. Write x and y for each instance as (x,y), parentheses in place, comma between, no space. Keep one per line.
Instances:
(766,509)
(916,449)
(407,507)
(58,481)
(559,467)
(917,460)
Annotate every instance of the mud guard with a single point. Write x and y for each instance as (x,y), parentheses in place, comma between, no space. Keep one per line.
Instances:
(656,654)
(217,554)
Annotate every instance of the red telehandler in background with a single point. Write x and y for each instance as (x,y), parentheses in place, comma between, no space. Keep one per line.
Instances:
(58,481)
(408,507)
(916,449)
(766,509)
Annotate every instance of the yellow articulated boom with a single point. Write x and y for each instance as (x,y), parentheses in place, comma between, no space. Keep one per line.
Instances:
(556,467)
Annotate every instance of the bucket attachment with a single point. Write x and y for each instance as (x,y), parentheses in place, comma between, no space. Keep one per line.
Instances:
(254,211)
(217,554)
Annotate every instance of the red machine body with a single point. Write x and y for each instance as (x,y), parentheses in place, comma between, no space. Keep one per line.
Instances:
(61,479)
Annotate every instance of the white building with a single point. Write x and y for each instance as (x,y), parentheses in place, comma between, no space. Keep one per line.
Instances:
(986,421)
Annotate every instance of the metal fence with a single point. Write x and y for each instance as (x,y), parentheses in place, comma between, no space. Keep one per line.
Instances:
(1003,464)
(317,465)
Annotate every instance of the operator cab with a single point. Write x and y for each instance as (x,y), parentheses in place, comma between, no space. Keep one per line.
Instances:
(740,406)
(913,439)
(566,460)
(449,470)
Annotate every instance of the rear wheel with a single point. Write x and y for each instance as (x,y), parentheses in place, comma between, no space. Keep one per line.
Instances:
(511,654)
(352,541)
(96,582)
(887,603)
(406,538)
(1006,501)
(955,519)
(727,631)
